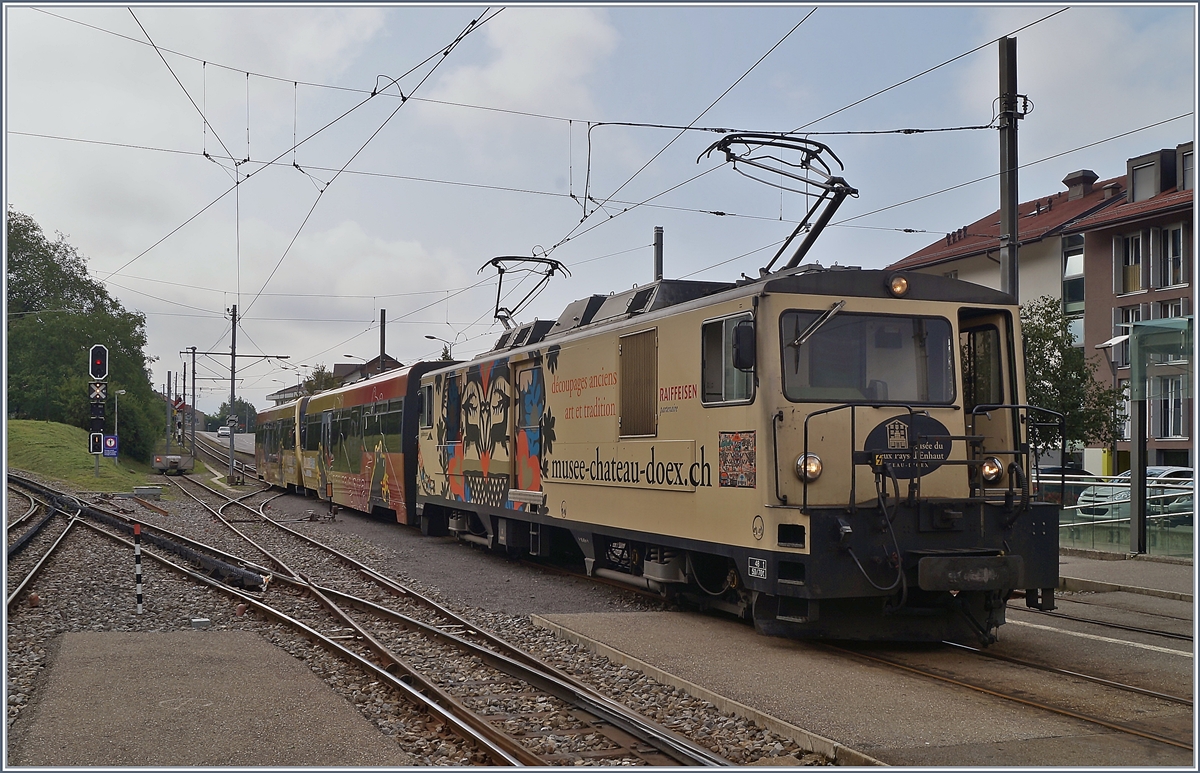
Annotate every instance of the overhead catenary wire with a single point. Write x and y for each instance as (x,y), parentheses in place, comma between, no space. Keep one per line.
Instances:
(472,26)
(951,60)
(704,112)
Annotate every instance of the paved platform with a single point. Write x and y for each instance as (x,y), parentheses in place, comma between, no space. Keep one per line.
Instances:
(191,698)
(856,714)
(1147,575)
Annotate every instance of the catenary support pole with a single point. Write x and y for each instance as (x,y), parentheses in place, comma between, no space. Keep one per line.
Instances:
(1009,201)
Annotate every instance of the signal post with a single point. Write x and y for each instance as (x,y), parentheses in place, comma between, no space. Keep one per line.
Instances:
(98,398)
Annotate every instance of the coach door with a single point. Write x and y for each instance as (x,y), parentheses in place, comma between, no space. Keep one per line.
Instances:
(323,454)
(527,433)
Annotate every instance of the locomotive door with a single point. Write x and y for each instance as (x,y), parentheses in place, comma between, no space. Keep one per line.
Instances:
(527,430)
(989,378)
(323,454)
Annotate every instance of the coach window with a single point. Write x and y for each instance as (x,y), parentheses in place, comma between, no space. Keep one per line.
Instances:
(390,424)
(453,409)
(372,418)
(312,436)
(723,383)
(427,406)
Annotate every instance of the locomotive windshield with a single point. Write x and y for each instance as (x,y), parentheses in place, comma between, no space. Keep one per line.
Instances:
(868,357)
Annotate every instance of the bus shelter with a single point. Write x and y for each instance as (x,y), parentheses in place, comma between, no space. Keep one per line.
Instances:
(1160,353)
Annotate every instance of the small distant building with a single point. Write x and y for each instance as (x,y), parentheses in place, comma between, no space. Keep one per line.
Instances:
(286,395)
(348,373)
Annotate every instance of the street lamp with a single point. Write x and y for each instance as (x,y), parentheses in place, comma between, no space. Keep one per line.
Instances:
(449,345)
(117,415)
(1107,347)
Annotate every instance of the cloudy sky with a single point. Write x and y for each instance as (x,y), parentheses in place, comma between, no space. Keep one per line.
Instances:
(246,161)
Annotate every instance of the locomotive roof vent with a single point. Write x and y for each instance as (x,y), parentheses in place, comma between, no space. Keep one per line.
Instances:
(529,333)
(641,299)
(578,313)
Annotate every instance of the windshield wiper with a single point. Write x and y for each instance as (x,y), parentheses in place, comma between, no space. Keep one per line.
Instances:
(818,323)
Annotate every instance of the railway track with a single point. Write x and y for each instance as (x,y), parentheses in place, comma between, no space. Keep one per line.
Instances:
(1002,682)
(515,709)
(479,675)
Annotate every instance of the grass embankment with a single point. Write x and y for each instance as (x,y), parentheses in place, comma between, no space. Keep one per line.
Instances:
(60,452)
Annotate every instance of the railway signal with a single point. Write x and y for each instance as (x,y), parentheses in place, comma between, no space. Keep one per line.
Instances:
(97,391)
(96,443)
(98,362)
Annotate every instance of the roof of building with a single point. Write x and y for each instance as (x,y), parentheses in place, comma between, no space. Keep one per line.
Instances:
(1123,211)
(1037,219)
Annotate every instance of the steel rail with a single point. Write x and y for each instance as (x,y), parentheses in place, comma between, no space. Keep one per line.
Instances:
(1078,675)
(221,454)
(1119,626)
(17,545)
(497,753)
(278,562)
(224,564)
(680,749)
(391,662)
(1016,699)
(1144,612)
(37,568)
(33,506)
(520,665)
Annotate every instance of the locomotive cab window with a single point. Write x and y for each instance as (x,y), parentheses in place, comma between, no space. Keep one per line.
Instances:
(723,383)
(852,357)
(983,382)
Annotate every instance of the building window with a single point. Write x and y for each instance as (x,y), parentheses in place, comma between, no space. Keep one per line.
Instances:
(1127,263)
(723,382)
(1169,408)
(1075,326)
(1072,286)
(951,274)
(1173,265)
(1188,172)
(1125,315)
(1126,408)
(1143,183)
(1173,309)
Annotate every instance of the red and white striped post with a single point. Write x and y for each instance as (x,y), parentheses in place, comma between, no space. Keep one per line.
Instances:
(137,563)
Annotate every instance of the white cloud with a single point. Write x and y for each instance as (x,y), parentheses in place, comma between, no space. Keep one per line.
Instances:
(1092,73)
(542,59)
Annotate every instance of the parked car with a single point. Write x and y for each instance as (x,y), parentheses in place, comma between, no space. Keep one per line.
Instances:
(1111,500)
(223,431)
(1047,480)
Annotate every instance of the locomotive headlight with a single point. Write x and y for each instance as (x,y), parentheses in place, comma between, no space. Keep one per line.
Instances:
(808,467)
(898,285)
(992,469)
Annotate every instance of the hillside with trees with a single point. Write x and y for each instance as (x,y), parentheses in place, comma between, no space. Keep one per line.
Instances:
(56,311)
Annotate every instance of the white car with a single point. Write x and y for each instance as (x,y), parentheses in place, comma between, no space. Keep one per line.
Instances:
(223,431)
(1111,500)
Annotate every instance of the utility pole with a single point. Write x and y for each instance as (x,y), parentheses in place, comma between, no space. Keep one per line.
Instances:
(193,351)
(382,337)
(167,395)
(232,388)
(1009,115)
(233,355)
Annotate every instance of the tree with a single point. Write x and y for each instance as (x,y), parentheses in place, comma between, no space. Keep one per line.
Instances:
(1061,377)
(320,380)
(445,354)
(246,413)
(55,313)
